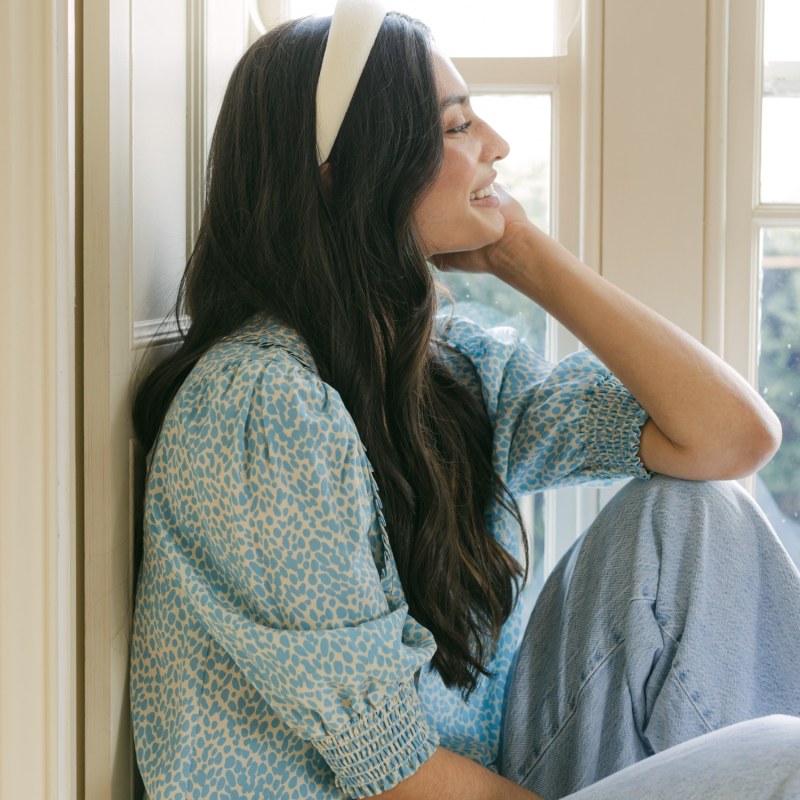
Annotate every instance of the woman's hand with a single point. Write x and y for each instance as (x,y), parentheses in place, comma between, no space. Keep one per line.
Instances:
(706,422)
(447,776)
(489,257)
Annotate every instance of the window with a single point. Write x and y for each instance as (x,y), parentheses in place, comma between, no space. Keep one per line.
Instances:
(525,87)
(778,484)
(780,104)
(764,243)
(460,28)
(525,120)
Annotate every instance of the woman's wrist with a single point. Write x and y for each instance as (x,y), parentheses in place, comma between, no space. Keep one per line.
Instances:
(533,263)
(515,254)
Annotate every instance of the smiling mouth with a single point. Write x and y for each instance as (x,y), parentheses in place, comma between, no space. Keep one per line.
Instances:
(488,191)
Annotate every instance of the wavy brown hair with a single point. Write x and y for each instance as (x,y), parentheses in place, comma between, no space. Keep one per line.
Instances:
(338,260)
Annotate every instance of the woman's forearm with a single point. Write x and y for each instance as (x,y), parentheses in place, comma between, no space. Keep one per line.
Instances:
(707,422)
(447,776)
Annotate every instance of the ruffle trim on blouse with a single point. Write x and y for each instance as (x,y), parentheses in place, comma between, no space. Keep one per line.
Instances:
(382,748)
(612,429)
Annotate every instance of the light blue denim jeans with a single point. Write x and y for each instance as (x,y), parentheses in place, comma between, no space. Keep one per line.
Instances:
(676,614)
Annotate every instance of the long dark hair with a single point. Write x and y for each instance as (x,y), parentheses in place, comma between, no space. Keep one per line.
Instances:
(337,258)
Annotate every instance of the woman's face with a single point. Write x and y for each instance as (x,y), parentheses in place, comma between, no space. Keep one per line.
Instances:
(454,215)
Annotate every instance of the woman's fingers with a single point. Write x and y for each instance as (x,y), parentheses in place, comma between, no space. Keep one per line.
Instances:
(483,259)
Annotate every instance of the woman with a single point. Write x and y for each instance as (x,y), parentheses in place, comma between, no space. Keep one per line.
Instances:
(306,628)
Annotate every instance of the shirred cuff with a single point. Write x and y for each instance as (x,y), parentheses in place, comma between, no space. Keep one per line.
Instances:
(382,748)
(613,428)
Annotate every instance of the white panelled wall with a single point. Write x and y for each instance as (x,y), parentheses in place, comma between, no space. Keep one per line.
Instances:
(152,72)
(142,82)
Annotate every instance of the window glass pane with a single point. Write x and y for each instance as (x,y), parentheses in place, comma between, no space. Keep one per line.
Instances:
(780,151)
(780,111)
(524,120)
(781,26)
(778,484)
(503,28)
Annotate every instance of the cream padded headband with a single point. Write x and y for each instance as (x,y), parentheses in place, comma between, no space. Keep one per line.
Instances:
(354,28)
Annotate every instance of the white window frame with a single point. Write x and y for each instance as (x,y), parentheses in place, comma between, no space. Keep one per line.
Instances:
(747,215)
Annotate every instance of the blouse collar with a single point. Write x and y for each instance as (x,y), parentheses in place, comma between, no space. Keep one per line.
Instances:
(266,330)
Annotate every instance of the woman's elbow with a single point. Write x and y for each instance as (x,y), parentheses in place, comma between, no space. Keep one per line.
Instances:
(756,442)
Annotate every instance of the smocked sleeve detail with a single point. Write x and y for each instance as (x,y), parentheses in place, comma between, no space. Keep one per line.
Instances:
(612,429)
(278,551)
(372,755)
(555,424)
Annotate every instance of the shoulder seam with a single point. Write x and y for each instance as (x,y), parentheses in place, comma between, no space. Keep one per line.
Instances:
(275,346)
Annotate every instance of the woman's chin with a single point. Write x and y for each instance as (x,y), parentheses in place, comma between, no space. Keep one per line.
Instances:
(492,231)
(484,241)
(479,233)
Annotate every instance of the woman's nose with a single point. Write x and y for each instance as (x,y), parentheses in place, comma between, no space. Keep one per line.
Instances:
(496,146)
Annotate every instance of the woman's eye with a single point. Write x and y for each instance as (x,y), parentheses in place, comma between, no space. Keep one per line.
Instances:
(462,128)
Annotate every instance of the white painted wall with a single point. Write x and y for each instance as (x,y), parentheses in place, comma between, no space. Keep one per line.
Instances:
(654,153)
(38,597)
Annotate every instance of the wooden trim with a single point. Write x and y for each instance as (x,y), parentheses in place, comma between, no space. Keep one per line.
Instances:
(578,217)
(590,236)
(716,150)
(196,144)
(743,157)
(38,534)
(76,83)
(777,215)
(68,403)
(539,72)
(157,331)
(107,356)
(780,262)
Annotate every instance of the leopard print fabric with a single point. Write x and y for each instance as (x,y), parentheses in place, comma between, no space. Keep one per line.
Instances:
(273,654)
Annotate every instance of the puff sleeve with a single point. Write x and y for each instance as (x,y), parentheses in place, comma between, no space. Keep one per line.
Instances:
(267,517)
(554,424)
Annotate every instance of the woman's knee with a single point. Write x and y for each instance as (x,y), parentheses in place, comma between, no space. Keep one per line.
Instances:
(668,539)
(664,491)
(721,509)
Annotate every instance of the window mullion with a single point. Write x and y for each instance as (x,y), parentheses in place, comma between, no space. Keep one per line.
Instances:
(777,214)
(577,215)
(741,245)
(532,73)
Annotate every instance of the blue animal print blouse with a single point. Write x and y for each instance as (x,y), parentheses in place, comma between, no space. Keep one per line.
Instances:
(273,654)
